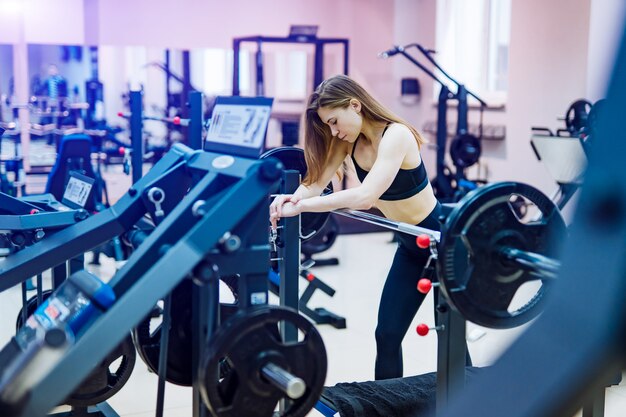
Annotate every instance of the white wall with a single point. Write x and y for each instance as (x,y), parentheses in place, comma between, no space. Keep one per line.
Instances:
(415,22)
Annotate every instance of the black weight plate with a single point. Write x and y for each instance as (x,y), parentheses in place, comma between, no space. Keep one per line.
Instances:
(576,116)
(293,159)
(104,381)
(179,353)
(465,150)
(593,118)
(231,382)
(148,341)
(475,278)
(323,240)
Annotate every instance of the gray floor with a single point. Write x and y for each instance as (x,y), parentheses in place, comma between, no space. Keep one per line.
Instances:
(358,280)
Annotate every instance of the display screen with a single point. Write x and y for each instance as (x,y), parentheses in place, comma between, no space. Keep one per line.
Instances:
(77,190)
(238,125)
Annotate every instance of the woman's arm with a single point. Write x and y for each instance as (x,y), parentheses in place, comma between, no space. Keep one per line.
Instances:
(304,192)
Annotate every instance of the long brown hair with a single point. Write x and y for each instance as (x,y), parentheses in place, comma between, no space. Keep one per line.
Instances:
(337,92)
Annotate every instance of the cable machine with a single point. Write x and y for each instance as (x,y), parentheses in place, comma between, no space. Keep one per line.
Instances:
(465,148)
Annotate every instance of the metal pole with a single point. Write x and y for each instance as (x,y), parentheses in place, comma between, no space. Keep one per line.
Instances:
(136,135)
(443,185)
(236,44)
(318,73)
(451,353)
(195,125)
(290,252)
(260,86)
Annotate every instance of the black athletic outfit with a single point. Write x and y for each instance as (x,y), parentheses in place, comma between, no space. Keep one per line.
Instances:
(400,299)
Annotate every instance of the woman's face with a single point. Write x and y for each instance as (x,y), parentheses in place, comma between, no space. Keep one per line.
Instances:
(344,122)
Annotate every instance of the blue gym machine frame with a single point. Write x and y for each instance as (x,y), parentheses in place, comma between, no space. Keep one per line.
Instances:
(223,200)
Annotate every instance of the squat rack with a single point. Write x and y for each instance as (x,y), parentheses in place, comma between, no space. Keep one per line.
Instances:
(318,75)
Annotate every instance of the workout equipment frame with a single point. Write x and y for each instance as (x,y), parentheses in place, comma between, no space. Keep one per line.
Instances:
(319,43)
(192,231)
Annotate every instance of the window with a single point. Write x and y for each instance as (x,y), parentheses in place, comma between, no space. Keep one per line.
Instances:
(212,71)
(473,45)
(291,75)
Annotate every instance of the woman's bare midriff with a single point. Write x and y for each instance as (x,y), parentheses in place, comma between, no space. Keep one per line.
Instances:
(411,210)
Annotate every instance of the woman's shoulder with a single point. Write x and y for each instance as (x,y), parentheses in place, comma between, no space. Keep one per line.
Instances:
(399,131)
(398,127)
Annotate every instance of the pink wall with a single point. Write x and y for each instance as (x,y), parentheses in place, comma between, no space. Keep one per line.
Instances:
(213,23)
(560,50)
(10,21)
(205,23)
(44,21)
(414,22)
(548,56)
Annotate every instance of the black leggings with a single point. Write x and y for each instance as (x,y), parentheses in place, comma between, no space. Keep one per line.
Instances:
(400,299)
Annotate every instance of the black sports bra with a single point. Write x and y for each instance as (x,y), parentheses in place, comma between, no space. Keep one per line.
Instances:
(407,183)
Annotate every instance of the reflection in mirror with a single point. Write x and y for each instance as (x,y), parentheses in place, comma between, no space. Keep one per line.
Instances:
(56,103)
(10,158)
(76,89)
(125,69)
(57,75)
(165,77)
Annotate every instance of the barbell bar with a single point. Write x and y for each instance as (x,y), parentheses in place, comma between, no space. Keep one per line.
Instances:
(540,265)
(288,383)
(389,224)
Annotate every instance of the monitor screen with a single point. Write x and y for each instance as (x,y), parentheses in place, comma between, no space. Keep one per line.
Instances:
(78,190)
(238,126)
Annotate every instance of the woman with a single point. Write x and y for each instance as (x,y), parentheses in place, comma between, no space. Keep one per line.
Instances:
(343,120)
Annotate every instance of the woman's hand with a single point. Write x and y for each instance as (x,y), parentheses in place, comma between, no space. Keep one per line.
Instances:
(284,205)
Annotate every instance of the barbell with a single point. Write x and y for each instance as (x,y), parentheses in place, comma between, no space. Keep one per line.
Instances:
(176,120)
(494,267)
(486,253)
(542,266)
